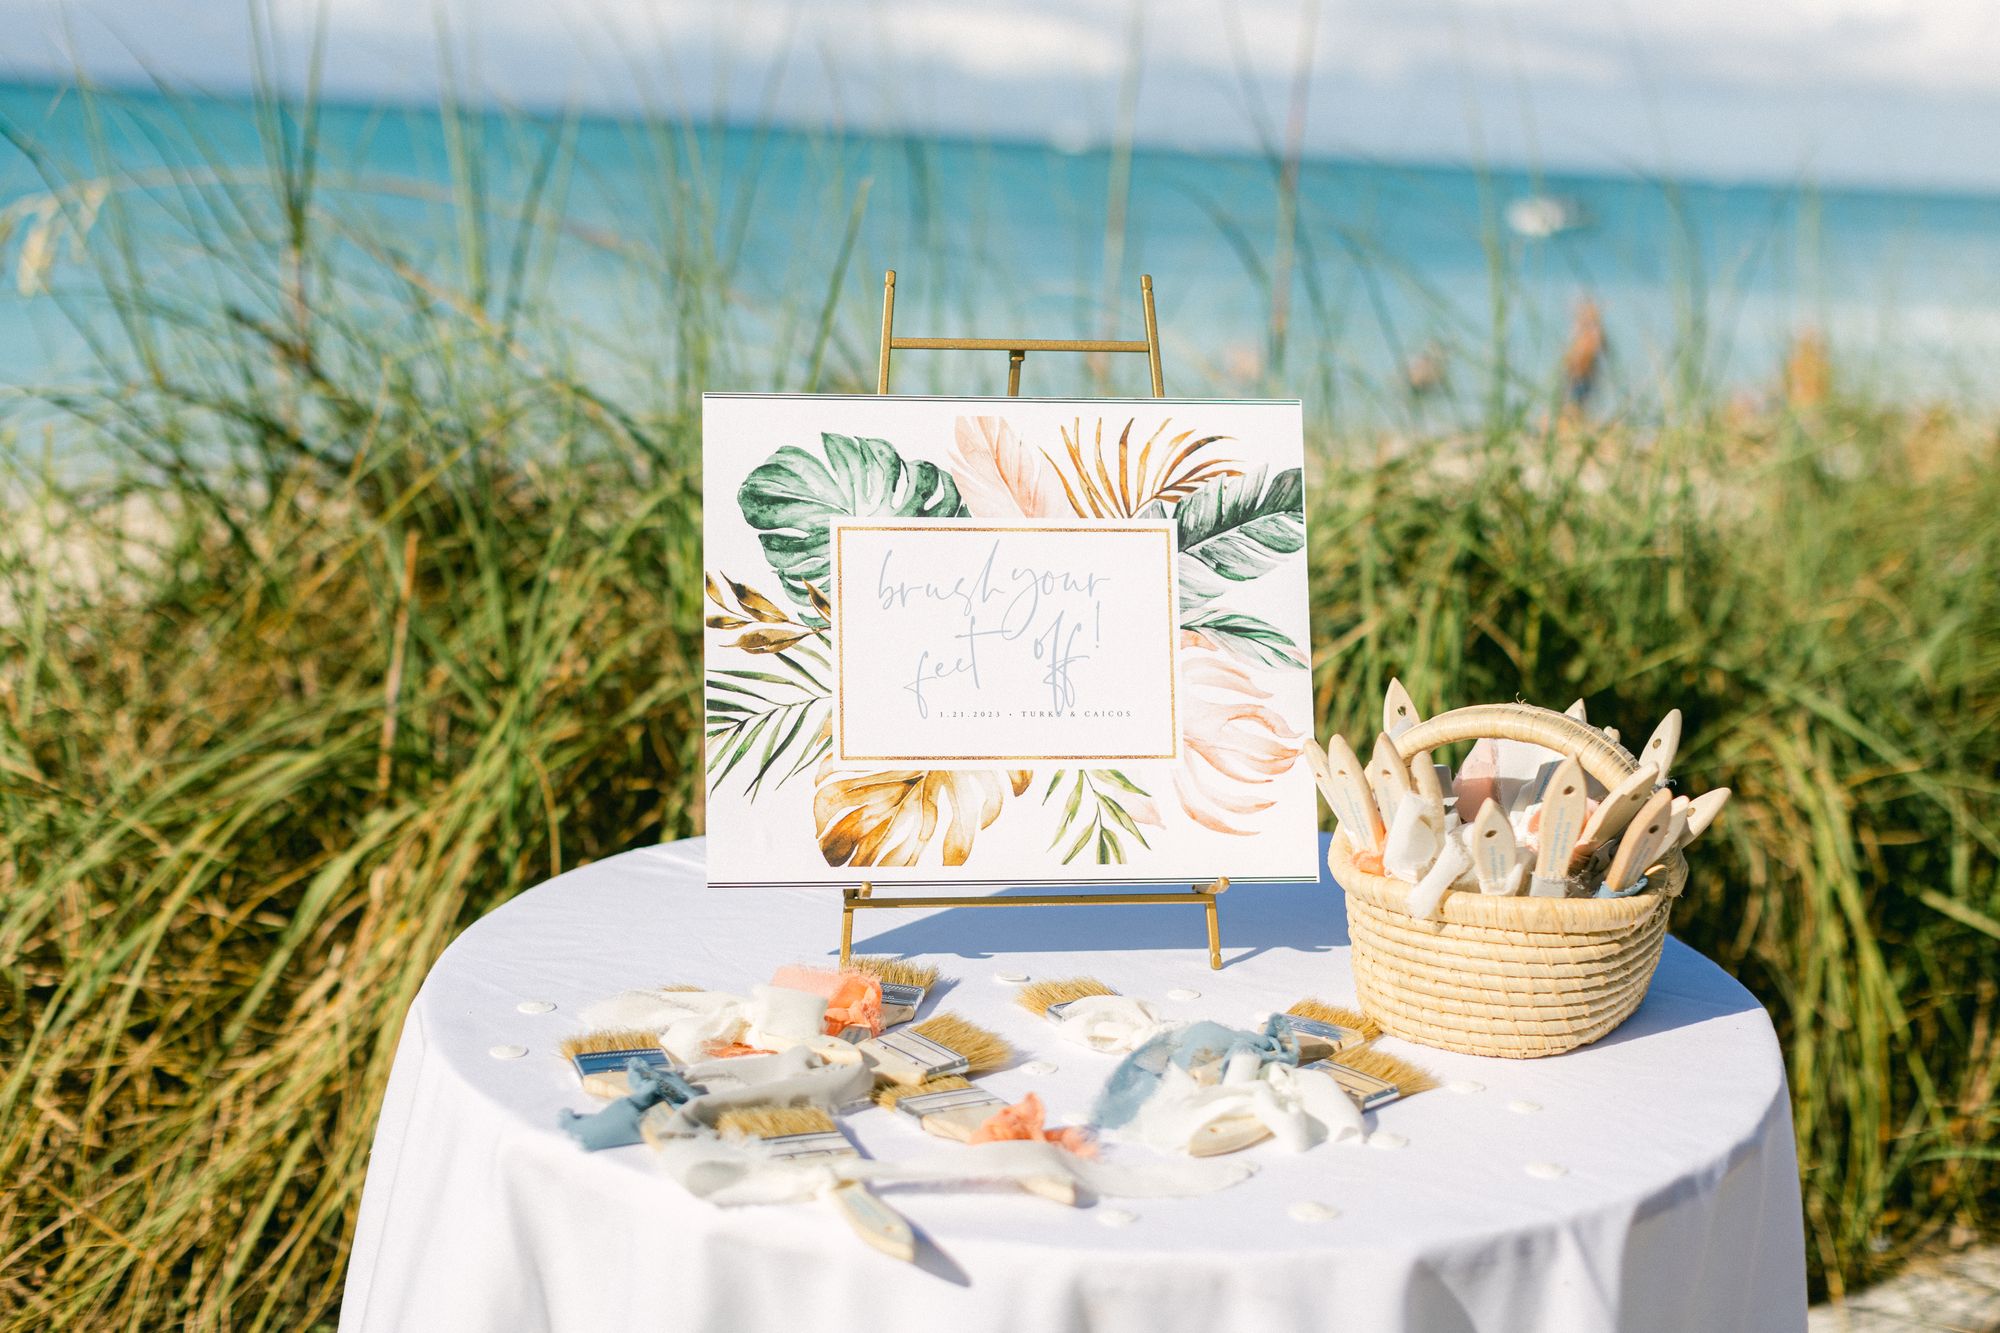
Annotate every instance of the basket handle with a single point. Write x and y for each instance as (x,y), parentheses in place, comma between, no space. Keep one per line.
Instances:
(1603,758)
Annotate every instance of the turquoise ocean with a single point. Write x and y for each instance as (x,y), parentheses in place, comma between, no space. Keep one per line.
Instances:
(1477,272)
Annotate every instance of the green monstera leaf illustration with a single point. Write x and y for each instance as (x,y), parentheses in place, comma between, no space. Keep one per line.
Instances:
(1237,528)
(792,497)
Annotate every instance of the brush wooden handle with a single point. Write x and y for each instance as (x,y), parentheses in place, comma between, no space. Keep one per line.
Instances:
(1665,742)
(959,1123)
(1399,711)
(1616,810)
(1388,779)
(1424,780)
(1701,812)
(1644,842)
(1227,1136)
(1564,802)
(874,1221)
(1342,782)
(1056,1189)
(1494,850)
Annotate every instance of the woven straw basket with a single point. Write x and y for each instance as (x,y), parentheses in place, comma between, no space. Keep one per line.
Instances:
(1508,976)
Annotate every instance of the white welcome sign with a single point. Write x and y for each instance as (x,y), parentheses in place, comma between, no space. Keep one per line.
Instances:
(1005,641)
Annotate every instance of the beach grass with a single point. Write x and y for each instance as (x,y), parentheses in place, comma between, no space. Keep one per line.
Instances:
(355,591)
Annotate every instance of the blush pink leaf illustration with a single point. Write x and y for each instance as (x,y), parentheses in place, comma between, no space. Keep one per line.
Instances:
(999,477)
(1233,743)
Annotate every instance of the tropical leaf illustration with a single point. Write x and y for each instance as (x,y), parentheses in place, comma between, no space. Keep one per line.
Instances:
(792,497)
(1233,743)
(1143,477)
(888,818)
(1235,529)
(1248,637)
(767,718)
(1103,807)
(766,629)
(998,476)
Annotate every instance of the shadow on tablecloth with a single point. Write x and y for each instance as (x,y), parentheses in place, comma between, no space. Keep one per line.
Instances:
(1255,918)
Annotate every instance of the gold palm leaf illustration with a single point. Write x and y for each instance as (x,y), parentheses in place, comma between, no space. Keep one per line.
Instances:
(1095,492)
(888,818)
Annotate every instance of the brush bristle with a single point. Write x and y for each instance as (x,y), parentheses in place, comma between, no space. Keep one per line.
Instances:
(1038,997)
(773,1122)
(981,1049)
(1408,1078)
(888,1096)
(678,986)
(623,1039)
(896,971)
(1321,1012)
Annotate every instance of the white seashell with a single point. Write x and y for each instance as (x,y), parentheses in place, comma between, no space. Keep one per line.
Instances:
(507,1052)
(1521,1107)
(1115,1217)
(534,1006)
(1546,1170)
(1308,1211)
(1465,1086)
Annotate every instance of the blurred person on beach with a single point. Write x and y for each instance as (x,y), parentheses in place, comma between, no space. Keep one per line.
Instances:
(1808,373)
(1583,358)
(1424,373)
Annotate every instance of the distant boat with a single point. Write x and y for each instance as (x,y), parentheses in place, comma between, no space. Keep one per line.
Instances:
(1540,216)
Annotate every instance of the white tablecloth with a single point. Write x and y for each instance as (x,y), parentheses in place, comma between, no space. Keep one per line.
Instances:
(1679,1209)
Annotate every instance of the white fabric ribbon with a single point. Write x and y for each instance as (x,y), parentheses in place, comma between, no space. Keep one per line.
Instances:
(685,1022)
(1109,1023)
(1301,1107)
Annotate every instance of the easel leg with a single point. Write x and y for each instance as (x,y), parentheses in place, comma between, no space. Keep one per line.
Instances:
(847,897)
(1214,936)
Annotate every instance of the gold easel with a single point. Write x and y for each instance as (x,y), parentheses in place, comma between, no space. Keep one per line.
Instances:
(1017,349)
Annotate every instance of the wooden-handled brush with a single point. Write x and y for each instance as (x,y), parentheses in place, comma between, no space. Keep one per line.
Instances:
(1049,999)
(1616,810)
(1325,1030)
(904,985)
(953,1107)
(1343,781)
(1496,856)
(1388,778)
(1702,811)
(1399,711)
(1564,802)
(796,1132)
(1375,1078)
(599,1058)
(1647,839)
(944,1044)
(1663,745)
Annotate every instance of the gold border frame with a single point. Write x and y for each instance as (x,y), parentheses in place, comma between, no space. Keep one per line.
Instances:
(1107,528)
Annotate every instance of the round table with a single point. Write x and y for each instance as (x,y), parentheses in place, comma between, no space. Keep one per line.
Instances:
(1647,1181)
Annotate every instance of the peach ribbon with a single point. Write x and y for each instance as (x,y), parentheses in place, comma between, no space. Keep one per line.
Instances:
(1023,1120)
(853,999)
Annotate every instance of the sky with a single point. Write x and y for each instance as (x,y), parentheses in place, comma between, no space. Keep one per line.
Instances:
(1896,93)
